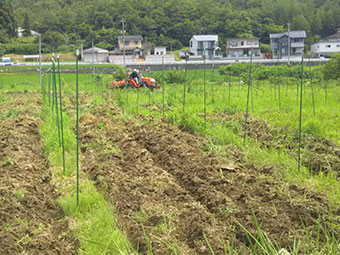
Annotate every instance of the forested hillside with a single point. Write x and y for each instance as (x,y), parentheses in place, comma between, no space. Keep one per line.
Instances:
(165,22)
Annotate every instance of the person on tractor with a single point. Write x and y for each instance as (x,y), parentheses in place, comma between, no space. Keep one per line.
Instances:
(134,76)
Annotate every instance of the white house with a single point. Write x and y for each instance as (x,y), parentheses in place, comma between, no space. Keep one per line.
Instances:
(159,50)
(328,45)
(200,43)
(96,54)
(243,47)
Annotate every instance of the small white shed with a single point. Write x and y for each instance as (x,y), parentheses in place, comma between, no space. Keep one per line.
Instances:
(160,50)
(96,54)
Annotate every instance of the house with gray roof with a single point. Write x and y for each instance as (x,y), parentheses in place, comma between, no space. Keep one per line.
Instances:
(293,40)
(326,46)
(203,44)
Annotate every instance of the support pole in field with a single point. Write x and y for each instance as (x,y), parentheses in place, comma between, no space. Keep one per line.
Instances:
(61,115)
(163,100)
(212,82)
(49,88)
(53,77)
(137,100)
(325,85)
(229,88)
(249,85)
(185,80)
(56,101)
(93,68)
(204,93)
(300,117)
(279,82)
(311,85)
(77,122)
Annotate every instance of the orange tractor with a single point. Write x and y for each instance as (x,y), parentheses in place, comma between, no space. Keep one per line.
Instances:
(135,83)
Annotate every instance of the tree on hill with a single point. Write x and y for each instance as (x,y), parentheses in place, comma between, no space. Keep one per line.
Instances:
(26,25)
(7,23)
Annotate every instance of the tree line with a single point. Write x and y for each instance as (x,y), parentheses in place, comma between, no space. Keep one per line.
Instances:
(165,22)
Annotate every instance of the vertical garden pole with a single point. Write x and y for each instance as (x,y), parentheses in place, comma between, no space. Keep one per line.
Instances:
(325,85)
(185,81)
(53,77)
(163,100)
(300,117)
(279,82)
(149,99)
(49,88)
(249,85)
(56,101)
(311,86)
(212,82)
(137,99)
(61,115)
(77,122)
(196,82)
(205,94)
(229,88)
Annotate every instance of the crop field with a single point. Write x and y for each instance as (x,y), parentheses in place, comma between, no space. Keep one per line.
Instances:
(206,164)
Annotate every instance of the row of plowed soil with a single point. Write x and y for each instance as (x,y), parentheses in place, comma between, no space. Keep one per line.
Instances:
(30,221)
(158,177)
(318,154)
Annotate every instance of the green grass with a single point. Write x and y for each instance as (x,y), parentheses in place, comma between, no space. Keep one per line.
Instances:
(94,219)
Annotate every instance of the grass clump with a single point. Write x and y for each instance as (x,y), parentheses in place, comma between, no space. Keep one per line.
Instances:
(96,227)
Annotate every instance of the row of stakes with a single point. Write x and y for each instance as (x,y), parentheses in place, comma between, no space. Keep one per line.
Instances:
(59,111)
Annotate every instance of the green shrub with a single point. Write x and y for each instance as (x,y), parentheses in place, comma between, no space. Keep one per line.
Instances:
(175,76)
(331,70)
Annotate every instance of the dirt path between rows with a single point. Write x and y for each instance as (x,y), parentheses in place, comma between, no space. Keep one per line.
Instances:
(158,177)
(30,220)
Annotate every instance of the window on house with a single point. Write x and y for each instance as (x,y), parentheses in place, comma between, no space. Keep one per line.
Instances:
(190,43)
(242,43)
(200,45)
(233,43)
(126,43)
(136,42)
(338,46)
(296,40)
(328,46)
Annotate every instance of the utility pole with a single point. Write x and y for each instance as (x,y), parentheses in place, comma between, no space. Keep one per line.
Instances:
(288,43)
(93,70)
(123,31)
(82,50)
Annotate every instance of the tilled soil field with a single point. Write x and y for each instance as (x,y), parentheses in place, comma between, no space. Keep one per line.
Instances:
(30,221)
(160,179)
(318,154)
